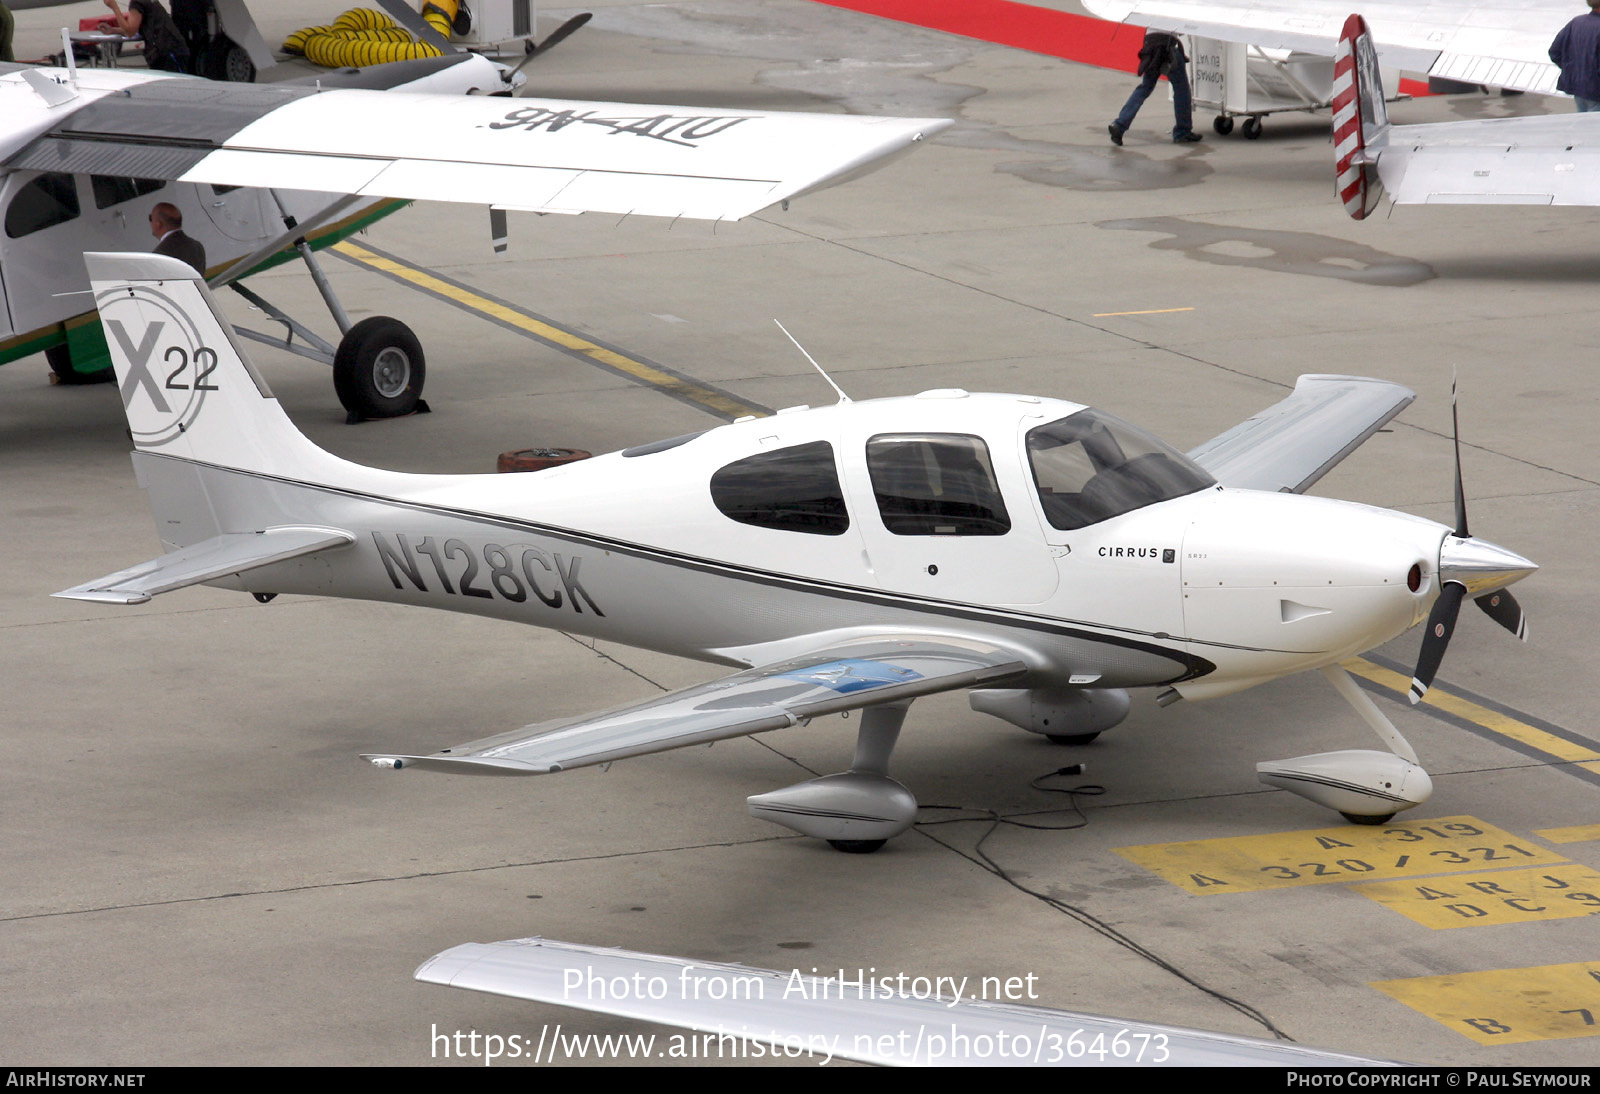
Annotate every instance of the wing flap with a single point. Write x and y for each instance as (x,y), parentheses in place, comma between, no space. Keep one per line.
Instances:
(219,556)
(852,1017)
(1293,443)
(840,677)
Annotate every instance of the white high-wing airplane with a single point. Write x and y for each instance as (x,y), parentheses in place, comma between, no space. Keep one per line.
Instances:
(1536,160)
(1040,552)
(264,171)
(1499,43)
(745,1013)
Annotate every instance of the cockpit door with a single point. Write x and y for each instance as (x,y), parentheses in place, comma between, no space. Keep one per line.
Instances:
(947,515)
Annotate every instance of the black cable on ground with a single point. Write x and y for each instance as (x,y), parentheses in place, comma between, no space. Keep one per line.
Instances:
(979,857)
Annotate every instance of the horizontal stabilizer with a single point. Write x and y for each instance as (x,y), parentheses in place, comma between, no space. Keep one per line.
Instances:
(219,556)
(845,1019)
(1290,445)
(843,676)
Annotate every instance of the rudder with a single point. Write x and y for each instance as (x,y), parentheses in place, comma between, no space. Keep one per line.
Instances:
(1360,119)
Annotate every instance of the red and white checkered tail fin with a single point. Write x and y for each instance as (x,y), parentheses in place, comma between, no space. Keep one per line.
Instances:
(1360,120)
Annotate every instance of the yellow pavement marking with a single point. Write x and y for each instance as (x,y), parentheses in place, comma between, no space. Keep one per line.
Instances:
(1152,311)
(1487,899)
(1508,1006)
(1576,834)
(1321,856)
(1478,714)
(639,370)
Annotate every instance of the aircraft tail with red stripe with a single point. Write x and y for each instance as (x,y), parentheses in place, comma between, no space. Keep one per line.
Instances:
(1360,119)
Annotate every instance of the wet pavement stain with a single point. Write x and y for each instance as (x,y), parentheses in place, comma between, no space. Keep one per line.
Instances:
(1076,167)
(1282,252)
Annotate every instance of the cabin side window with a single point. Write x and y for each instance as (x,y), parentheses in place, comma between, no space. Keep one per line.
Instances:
(936,484)
(793,489)
(1090,467)
(46,201)
(112,190)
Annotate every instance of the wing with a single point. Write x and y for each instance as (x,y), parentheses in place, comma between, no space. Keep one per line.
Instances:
(1542,160)
(874,1023)
(540,155)
(219,556)
(840,677)
(1501,43)
(1292,444)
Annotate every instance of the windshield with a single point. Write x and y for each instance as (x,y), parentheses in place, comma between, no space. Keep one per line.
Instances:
(1090,466)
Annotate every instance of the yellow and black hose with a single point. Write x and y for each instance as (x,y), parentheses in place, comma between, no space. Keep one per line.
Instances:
(364,36)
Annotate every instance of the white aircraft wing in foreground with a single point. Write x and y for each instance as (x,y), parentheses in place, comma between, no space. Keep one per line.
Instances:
(1500,43)
(538,155)
(856,1019)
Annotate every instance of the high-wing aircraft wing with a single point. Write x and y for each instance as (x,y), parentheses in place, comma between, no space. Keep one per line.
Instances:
(1499,43)
(539,155)
(837,678)
(1291,444)
(857,1019)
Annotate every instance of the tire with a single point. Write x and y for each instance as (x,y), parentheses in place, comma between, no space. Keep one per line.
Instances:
(60,359)
(224,60)
(1070,738)
(1356,818)
(1222,124)
(857,846)
(379,370)
(1252,128)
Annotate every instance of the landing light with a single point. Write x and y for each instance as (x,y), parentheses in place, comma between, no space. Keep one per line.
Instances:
(1414,577)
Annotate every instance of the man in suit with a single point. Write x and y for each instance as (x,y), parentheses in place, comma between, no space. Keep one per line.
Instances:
(166,224)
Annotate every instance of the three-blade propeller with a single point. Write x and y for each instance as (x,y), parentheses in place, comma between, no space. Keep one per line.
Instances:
(1467,565)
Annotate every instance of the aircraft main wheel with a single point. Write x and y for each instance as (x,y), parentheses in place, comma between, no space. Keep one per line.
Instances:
(1070,738)
(224,60)
(1355,818)
(857,846)
(1252,128)
(60,361)
(1222,124)
(379,369)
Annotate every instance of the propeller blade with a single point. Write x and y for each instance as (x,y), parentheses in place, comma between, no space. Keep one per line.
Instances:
(1441,625)
(1461,497)
(556,37)
(1503,608)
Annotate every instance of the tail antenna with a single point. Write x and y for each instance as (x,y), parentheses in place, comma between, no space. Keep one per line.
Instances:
(843,398)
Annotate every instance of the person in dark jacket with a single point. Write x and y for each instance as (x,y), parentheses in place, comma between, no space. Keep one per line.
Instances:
(1576,51)
(164,48)
(166,224)
(1162,55)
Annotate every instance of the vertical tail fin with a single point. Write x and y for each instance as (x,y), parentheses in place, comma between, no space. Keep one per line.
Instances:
(187,387)
(1360,119)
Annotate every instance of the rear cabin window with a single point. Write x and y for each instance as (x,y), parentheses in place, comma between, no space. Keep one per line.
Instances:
(1090,466)
(112,190)
(793,489)
(936,484)
(46,201)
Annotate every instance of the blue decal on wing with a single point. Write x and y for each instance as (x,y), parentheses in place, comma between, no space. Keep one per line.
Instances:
(851,674)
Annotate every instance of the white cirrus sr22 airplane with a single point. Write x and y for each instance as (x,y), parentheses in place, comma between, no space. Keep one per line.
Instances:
(1041,553)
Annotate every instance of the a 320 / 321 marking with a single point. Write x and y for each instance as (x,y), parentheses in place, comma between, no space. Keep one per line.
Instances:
(1243,864)
(508,572)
